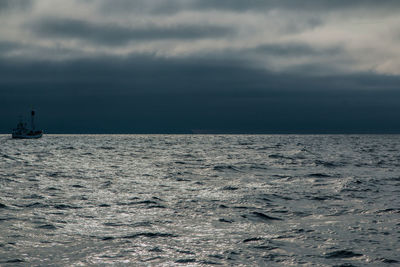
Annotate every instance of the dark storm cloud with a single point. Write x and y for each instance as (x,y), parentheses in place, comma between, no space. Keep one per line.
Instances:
(174,6)
(240,5)
(295,50)
(113,34)
(7,5)
(139,6)
(64,30)
(6,47)
(152,95)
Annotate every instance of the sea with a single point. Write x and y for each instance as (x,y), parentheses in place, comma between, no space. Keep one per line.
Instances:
(200,200)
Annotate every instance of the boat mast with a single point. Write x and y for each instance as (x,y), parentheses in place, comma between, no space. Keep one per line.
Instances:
(32,119)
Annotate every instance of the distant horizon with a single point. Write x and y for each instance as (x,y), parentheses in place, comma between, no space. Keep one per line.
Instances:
(220,133)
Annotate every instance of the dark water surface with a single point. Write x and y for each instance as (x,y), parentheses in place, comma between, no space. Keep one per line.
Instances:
(273,200)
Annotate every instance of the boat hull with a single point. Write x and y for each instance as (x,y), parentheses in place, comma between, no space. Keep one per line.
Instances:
(26,136)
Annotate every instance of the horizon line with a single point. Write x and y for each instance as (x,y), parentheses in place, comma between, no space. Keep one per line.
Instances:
(229,133)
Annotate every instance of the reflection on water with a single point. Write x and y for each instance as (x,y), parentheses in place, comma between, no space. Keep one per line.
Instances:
(200,200)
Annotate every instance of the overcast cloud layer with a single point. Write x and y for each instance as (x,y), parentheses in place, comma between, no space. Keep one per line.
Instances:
(358,35)
(205,57)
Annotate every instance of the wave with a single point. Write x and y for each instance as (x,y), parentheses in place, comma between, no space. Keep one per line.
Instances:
(149,235)
(106,147)
(278,156)
(225,167)
(230,188)
(319,175)
(35,205)
(343,254)
(65,206)
(252,239)
(47,227)
(191,260)
(13,261)
(225,220)
(261,216)
(389,261)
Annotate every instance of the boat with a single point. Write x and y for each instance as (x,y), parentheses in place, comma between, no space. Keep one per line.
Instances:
(23,132)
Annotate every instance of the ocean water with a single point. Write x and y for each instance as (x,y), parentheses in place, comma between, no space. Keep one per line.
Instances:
(162,200)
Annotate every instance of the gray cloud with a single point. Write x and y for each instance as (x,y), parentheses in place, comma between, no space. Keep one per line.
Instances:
(296,5)
(175,6)
(6,47)
(113,34)
(140,6)
(271,35)
(296,50)
(62,30)
(7,5)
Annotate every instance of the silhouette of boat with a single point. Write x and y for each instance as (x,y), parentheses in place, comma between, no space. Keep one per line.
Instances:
(22,132)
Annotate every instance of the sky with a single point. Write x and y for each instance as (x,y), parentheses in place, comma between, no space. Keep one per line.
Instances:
(201,66)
